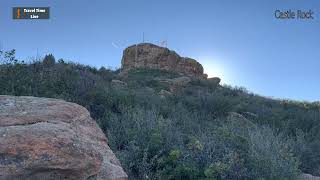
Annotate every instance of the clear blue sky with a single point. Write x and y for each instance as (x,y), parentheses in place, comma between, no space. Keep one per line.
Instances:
(240,41)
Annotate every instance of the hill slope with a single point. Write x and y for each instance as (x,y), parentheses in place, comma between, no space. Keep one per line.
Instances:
(199,130)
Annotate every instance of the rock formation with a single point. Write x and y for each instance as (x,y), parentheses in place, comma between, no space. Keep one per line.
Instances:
(44,138)
(240,121)
(118,84)
(214,81)
(304,176)
(151,56)
(179,81)
(176,84)
(164,93)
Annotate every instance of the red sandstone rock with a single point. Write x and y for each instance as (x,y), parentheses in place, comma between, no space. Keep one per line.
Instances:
(44,138)
(151,56)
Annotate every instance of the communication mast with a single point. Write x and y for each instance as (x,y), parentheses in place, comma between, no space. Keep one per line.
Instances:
(37,57)
(143,37)
(164,43)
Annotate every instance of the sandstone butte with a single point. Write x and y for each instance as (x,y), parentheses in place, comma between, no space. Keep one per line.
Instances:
(43,138)
(151,56)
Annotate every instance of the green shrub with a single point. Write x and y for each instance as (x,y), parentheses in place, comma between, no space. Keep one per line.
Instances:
(271,155)
(49,60)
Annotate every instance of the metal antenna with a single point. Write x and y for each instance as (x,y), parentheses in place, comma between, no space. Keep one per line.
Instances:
(143,37)
(37,57)
(164,43)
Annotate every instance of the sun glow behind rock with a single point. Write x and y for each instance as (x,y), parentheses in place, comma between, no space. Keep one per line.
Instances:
(215,67)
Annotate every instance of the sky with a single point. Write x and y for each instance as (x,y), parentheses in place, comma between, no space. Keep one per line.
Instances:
(239,41)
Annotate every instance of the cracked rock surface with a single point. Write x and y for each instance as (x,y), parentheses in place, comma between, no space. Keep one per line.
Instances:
(43,138)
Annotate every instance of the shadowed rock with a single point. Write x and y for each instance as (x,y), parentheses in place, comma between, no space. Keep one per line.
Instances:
(214,81)
(118,83)
(305,176)
(175,84)
(44,138)
(163,93)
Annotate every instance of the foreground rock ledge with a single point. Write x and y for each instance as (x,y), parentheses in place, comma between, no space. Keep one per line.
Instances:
(43,138)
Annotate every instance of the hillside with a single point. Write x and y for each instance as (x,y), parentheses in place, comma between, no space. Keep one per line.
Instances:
(166,124)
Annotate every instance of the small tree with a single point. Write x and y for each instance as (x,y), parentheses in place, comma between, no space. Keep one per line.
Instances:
(8,57)
(49,60)
(61,61)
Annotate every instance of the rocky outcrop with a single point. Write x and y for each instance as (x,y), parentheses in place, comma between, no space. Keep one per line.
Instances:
(151,56)
(175,84)
(44,138)
(180,81)
(240,119)
(164,93)
(241,124)
(214,81)
(305,176)
(118,83)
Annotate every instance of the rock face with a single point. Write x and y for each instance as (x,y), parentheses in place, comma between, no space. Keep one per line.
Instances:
(304,176)
(151,56)
(163,93)
(180,81)
(214,80)
(44,138)
(118,83)
(241,123)
(176,84)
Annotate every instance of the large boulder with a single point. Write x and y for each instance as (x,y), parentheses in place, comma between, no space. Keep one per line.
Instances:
(305,176)
(175,84)
(43,138)
(164,93)
(214,81)
(241,124)
(180,81)
(118,84)
(239,120)
(147,55)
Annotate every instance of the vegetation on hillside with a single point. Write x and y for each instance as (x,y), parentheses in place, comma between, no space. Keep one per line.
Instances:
(201,132)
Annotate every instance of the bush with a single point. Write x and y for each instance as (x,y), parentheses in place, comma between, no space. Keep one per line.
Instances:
(271,155)
(49,60)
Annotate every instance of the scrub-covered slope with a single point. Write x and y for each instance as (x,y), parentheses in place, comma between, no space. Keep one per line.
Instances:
(162,124)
